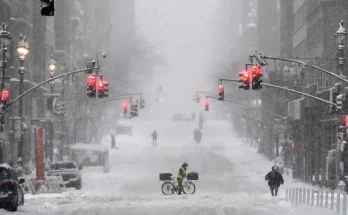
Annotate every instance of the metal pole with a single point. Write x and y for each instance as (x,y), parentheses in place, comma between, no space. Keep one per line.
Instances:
(44,82)
(306,65)
(49,149)
(286,89)
(20,112)
(65,144)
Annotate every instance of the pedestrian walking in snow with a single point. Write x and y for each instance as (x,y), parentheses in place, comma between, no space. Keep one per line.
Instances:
(113,141)
(154,138)
(275,179)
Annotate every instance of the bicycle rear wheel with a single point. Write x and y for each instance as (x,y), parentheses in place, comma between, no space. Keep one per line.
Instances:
(189,188)
(167,188)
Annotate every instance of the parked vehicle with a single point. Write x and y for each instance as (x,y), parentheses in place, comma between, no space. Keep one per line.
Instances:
(69,171)
(123,127)
(185,116)
(11,193)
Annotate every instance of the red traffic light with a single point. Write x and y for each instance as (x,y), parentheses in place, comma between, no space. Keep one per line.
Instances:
(221,88)
(91,80)
(125,105)
(256,70)
(101,85)
(4,95)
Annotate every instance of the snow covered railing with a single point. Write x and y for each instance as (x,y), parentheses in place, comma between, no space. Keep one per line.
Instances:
(54,184)
(333,200)
(28,186)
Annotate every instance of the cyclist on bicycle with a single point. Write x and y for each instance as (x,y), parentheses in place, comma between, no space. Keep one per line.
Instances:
(181,176)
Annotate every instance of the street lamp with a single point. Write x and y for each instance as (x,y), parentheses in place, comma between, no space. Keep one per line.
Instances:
(341,35)
(23,50)
(52,66)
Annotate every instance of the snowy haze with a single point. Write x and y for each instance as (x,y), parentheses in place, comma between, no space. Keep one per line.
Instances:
(184,32)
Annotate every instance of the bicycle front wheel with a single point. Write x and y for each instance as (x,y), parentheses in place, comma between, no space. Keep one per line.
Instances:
(167,188)
(190,188)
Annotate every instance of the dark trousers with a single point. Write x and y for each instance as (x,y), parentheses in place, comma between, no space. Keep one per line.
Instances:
(180,185)
(274,190)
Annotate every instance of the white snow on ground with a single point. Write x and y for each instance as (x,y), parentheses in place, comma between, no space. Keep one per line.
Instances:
(231,177)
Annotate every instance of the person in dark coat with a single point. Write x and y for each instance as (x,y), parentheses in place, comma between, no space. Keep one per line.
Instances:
(113,141)
(275,179)
(154,138)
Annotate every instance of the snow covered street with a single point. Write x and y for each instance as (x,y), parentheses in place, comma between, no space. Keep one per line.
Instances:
(231,178)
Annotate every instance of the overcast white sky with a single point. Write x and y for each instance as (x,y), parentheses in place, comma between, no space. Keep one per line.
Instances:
(183,31)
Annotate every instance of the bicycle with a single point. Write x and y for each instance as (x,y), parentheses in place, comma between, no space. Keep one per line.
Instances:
(170,187)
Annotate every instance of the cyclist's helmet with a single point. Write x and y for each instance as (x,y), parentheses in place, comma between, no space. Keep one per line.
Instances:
(275,167)
(184,165)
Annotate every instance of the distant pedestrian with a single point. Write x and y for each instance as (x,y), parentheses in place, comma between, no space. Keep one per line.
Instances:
(275,179)
(154,138)
(113,142)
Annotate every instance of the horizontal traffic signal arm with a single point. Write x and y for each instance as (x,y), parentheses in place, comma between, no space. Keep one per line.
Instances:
(258,55)
(96,103)
(286,89)
(47,81)
(246,105)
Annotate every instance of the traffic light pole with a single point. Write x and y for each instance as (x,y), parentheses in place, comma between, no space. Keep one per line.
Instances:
(96,103)
(302,63)
(286,89)
(44,82)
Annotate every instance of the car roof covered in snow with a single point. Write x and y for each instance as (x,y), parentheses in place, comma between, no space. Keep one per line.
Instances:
(5,166)
(85,146)
(62,162)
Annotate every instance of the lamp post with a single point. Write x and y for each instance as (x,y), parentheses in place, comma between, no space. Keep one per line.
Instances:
(23,50)
(5,36)
(341,36)
(52,68)
(49,149)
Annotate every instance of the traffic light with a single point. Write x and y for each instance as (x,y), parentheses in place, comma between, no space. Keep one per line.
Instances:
(103,89)
(206,104)
(62,108)
(221,92)
(91,86)
(245,80)
(125,107)
(47,8)
(198,98)
(339,102)
(256,79)
(134,110)
(142,103)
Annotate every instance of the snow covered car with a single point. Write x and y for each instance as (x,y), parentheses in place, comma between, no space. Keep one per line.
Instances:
(186,116)
(124,127)
(70,173)
(11,193)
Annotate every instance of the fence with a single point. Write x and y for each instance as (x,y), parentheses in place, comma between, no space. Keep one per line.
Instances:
(52,184)
(333,200)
